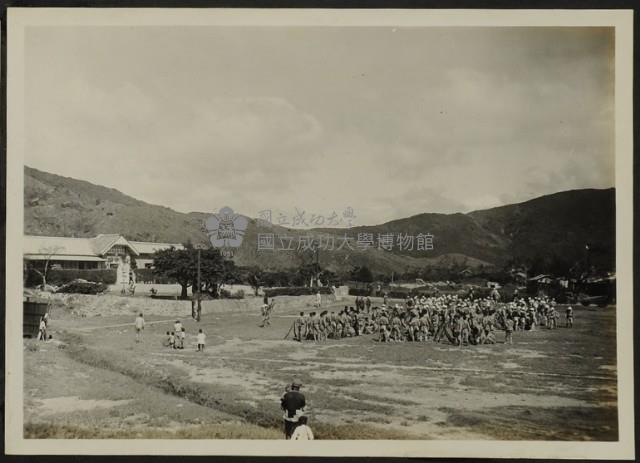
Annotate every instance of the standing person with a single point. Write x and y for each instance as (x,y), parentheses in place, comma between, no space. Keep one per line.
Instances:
(318,299)
(201,340)
(569,317)
(508,331)
(299,327)
(42,330)
(177,327)
(367,303)
(302,431)
(292,403)
(383,327)
(266,313)
(315,326)
(465,330)
(139,324)
(183,335)
(551,318)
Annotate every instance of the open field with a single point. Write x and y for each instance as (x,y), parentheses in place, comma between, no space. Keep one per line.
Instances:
(94,381)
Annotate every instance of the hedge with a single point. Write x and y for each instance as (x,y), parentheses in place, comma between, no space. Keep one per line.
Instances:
(82,287)
(359,292)
(144,275)
(59,277)
(296,291)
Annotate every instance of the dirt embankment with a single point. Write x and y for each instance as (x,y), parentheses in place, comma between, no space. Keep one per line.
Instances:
(84,305)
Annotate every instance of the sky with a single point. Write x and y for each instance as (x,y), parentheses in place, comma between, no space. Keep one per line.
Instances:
(388,121)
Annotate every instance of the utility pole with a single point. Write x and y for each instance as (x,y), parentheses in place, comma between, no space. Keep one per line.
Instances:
(199,284)
(318,263)
(199,247)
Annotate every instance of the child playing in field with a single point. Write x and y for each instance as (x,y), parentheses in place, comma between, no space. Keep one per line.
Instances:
(302,431)
(201,341)
(167,343)
(139,324)
(172,340)
(42,330)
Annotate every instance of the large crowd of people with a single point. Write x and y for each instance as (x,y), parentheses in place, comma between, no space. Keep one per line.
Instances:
(443,318)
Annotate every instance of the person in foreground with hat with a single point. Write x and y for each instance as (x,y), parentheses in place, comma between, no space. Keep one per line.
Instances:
(293,403)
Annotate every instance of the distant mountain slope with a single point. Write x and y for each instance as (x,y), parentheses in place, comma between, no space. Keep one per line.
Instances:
(546,228)
(557,227)
(62,206)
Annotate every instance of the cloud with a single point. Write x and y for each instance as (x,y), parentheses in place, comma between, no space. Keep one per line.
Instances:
(421,120)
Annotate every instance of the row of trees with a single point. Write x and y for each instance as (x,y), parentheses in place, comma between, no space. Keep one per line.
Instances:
(181,266)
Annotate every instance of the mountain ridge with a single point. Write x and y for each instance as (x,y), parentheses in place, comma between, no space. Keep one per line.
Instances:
(552,229)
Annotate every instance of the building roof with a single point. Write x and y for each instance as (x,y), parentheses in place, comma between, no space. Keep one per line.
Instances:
(42,247)
(144,247)
(47,245)
(65,257)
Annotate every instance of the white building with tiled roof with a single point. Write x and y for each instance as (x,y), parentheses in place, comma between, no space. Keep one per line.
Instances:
(102,251)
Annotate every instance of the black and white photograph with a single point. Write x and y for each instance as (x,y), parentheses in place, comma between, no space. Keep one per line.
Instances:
(251,228)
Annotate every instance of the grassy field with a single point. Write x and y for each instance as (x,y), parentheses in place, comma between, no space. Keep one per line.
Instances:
(94,381)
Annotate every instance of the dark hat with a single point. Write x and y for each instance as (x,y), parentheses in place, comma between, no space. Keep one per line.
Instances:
(296,384)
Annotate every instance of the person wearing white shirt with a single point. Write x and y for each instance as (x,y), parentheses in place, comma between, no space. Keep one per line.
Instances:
(302,431)
(201,340)
(42,330)
(139,324)
(177,327)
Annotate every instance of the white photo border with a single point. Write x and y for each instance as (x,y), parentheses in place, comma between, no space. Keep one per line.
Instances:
(19,19)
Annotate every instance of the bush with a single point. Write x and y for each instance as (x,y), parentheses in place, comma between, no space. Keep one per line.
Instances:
(238,294)
(226,294)
(59,277)
(296,291)
(82,287)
